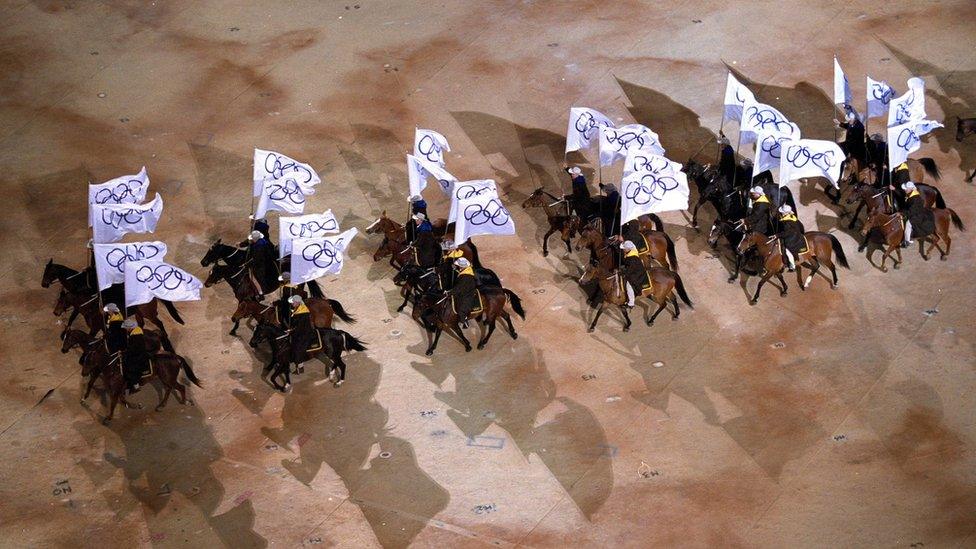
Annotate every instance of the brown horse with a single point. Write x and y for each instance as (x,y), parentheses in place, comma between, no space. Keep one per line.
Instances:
(88,308)
(333,343)
(892,228)
(395,245)
(821,247)
(95,352)
(163,366)
(664,284)
(436,312)
(238,277)
(395,231)
(660,247)
(557,215)
(323,312)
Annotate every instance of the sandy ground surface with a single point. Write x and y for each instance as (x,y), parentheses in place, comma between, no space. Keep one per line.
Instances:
(824,418)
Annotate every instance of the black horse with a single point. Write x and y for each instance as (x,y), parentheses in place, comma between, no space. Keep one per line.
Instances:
(334,342)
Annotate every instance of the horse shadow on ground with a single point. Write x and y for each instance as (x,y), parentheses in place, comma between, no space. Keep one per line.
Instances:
(164,453)
(512,394)
(345,430)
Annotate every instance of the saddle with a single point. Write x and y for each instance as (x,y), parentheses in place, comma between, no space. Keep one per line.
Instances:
(315,345)
(476,310)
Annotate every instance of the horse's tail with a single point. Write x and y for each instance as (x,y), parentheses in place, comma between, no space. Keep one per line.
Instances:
(939,199)
(172,311)
(351,342)
(188,371)
(672,256)
(680,287)
(315,289)
(839,251)
(930,167)
(340,312)
(516,302)
(475,260)
(658,224)
(955,219)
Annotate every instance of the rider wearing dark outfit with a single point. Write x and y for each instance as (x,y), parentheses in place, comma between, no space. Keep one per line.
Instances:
(135,361)
(301,330)
(114,333)
(853,143)
(791,236)
(758,219)
(580,201)
(919,219)
(633,271)
(464,294)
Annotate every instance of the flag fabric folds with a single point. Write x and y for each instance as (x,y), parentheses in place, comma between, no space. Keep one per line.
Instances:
(879,95)
(910,105)
(270,165)
(615,142)
(482,214)
(287,194)
(662,187)
(312,258)
(304,226)
(430,146)
(758,117)
(810,158)
(147,279)
(110,259)
(112,221)
(769,150)
(584,126)
(736,96)
(842,86)
(128,189)
(466,189)
(418,170)
(906,138)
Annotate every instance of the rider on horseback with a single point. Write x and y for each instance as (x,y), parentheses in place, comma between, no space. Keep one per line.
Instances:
(853,143)
(610,210)
(135,361)
(264,263)
(758,219)
(301,331)
(633,271)
(418,206)
(726,161)
(917,216)
(791,236)
(580,200)
(464,294)
(114,333)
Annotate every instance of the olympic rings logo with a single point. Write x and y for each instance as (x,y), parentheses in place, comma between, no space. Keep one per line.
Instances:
(492,212)
(882,92)
(161,276)
(312,228)
(289,191)
(116,219)
(430,149)
(907,138)
(116,257)
(467,191)
(277,167)
(648,187)
(764,118)
(119,193)
(323,255)
(738,97)
(624,140)
(585,125)
(771,145)
(799,156)
(904,112)
(653,164)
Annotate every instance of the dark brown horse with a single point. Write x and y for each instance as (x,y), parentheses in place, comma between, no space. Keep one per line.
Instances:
(87,306)
(892,229)
(333,343)
(164,366)
(821,247)
(88,346)
(660,247)
(557,215)
(664,284)
(436,312)
(323,312)
(238,277)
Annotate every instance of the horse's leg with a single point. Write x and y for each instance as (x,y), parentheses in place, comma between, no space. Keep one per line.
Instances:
(406,299)
(113,402)
(233,331)
(433,343)
(511,327)
(886,254)
(755,298)
(735,272)
(694,214)
(782,281)
(596,318)
(491,329)
(545,241)
(813,272)
(799,273)
(169,389)
(948,242)
(661,306)
(623,309)
(677,310)
(857,212)
(456,328)
(969,178)
(569,245)
(71,318)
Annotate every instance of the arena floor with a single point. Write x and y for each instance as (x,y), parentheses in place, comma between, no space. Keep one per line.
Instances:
(826,418)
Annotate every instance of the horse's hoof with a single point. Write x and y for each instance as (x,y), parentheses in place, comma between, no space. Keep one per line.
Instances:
(674,318)
(925,257)
(232,333)
(885,269)
(650,322)
(481,346)
(467,349)
(782,294)
(514,335)
(944,258)
(190,402)
(626,328)
(898,265)
(753,301)
(340,382)
(545,253)
(106,420)
(860,249)
(589,330)
(429,352)
(730,280)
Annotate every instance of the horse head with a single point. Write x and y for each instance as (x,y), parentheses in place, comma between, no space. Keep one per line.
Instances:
(875,220)
(383,251)
(718,229)
(62,303)
(748,241)
(212,254)
(534,200)
(217,273)
(73,338)
(48,277)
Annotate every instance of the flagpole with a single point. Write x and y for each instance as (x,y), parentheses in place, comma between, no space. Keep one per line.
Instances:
(735,158)
(721,129)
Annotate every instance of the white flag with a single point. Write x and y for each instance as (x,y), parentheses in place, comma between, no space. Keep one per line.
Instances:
(879,96)
(269,165)
(430,146)
(584,125)
(615,142)
(910,106)
(304,226)
(758,117)
(809,158)
(842,86)
(315,257)
(112,221)
(482,214)
(418,170)
(769,150)
(736,96)
(110,259)
(643,161)
(466,189)
(663,188)
(285,195)
(906,138)
(128,189)
(145,280)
